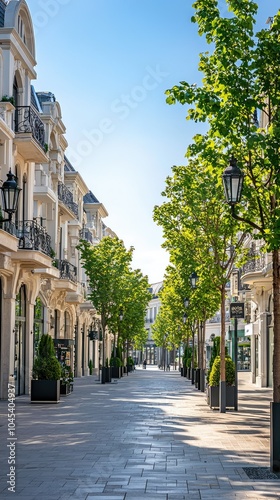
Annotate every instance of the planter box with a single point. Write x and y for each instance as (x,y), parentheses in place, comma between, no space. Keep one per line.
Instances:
(65,389)
(214,396)
(106,375)
(115,371)
(275,437)
(45,391)
(197,378)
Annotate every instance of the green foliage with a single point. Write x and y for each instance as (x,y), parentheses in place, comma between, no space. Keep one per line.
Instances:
(114,287)
(66,377)
(215,351)
(6,98)
(214,378)
(115,361)
(46,366)
(187,358)
(90,366)
(130,361)
(188,362)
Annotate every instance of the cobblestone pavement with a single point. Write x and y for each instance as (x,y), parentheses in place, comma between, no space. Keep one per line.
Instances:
(151,435)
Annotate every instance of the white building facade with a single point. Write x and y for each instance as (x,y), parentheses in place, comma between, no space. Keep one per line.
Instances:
(43,288)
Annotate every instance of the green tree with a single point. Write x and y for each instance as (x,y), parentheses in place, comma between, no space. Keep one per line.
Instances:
(115,287)
(200,234)
(240,78)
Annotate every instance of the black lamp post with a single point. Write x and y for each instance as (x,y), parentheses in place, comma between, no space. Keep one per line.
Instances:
(10,194)
(233,179)
(193,283)
(193,280)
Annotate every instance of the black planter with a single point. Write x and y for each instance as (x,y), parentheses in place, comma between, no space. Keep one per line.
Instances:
(192,375)
(214,396)
(197,378)
(115,371)
(202,380)
(183,371)
(45,391)
(64,389)
(188,374)
(275,437)
(105,375)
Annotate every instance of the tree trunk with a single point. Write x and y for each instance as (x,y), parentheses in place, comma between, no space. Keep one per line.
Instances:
(223,353)
(276,334)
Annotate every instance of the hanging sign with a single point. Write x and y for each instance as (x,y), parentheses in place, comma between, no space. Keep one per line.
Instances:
(237,310)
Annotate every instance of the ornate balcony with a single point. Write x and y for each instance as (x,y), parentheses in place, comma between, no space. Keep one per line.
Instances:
(256,270)
(67,270)
(34,245)
(32,236)
(8,237)
(30,134)
(66,198)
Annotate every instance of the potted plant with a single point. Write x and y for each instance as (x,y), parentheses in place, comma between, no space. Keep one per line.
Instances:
(214,382)
(115,364)
(130,364)
(65,388)
(45,385)
(10,99)
(90,367)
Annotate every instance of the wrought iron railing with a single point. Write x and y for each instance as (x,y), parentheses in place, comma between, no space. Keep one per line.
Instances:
(65,195)
(28,120)
(67,270)
(9,227)
(253,265)
(32,236)
(85,234)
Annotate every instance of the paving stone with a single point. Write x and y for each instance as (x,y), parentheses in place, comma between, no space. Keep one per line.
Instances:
(151,436)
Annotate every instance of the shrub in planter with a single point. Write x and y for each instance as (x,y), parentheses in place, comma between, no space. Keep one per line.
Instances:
(66,381)
(214,377)
(90,367)
(115,361)
(45,386)
(46,365)
(213,397)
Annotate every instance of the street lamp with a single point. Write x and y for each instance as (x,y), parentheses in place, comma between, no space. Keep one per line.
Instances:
(186,302)
(193,280)
(233,179)
(10,194)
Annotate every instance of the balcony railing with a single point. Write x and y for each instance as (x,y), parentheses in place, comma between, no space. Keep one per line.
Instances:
(253,265)
(32,236)
(67,270)
(65,195)
(9,227)
(28,120)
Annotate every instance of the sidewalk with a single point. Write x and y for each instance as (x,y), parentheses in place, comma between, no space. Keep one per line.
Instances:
(151,436)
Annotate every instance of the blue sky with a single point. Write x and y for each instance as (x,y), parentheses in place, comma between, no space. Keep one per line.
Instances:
(109,62)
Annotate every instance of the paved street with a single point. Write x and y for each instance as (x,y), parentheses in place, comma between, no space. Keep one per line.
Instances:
(151,435)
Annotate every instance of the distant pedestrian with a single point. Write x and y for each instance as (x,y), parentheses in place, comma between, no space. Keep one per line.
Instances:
(144,363)
(168,368)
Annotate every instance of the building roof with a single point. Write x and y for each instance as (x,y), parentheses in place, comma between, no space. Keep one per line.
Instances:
(2,13)
(68,167)
(90,198)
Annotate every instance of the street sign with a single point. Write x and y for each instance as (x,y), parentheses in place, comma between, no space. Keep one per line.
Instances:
(237,310)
